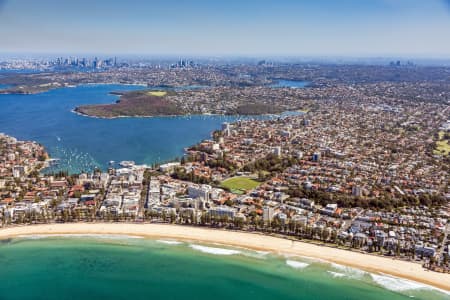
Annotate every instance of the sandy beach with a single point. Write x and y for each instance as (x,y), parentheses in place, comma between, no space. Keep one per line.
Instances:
(370,263)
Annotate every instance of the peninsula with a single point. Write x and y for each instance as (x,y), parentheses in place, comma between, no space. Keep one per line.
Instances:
(148,103)
(135,103)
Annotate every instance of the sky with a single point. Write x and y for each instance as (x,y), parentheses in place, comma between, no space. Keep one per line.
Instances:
(232,27)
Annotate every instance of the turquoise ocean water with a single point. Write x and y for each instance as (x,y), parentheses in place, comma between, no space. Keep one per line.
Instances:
(117,267)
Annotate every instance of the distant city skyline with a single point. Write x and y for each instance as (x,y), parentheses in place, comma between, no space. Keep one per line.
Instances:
(199,27)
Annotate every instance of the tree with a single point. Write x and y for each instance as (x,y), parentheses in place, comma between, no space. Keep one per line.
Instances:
(228,203)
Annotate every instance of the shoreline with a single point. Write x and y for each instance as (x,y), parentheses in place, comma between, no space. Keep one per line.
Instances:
(254,241)
(173,116)
(135,116)
(182,115)
(8,92)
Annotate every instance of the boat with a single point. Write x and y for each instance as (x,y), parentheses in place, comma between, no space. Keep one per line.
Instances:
(53,161)
(127,163)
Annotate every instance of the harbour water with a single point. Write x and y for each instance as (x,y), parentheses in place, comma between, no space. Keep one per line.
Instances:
(83,143)
(294,84)
(120,267)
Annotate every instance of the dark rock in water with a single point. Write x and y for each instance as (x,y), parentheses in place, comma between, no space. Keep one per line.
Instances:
(6,241)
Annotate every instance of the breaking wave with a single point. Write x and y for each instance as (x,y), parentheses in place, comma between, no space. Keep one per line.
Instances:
(296,264)
(215,251)
(336,274)
(401,285)
(348,271)
(169,242)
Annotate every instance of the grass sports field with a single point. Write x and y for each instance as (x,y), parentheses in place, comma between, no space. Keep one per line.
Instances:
(443,147)
(240,184)
(157,93)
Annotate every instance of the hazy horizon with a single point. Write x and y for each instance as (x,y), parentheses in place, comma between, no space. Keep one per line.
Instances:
(347,28)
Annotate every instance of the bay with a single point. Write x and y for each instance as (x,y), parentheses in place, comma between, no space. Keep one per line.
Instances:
(83,143)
